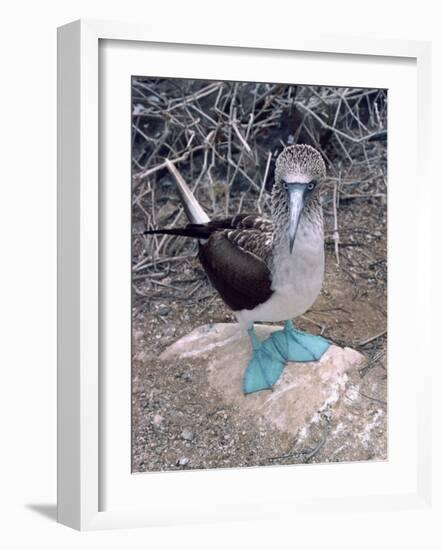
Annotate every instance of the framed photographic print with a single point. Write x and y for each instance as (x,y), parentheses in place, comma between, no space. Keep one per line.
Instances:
(229,213)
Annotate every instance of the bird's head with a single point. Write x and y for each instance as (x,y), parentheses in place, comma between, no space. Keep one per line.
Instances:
(299,172)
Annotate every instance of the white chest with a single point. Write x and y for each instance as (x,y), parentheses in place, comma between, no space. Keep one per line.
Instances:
(299,275)
(304,268)
(297,278)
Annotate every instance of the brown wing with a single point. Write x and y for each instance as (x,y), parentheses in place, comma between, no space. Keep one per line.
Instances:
(249,222)
(235,262)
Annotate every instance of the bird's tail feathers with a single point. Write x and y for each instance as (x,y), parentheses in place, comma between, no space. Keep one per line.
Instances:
(196,231)
(194,212)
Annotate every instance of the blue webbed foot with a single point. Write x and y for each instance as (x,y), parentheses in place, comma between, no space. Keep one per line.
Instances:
(265,366)
(296,345)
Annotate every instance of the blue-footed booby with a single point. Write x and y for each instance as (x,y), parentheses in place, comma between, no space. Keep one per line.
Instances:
(268,269)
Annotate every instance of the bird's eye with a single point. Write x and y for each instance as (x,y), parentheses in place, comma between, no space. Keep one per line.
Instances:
(311,186)
(285,185)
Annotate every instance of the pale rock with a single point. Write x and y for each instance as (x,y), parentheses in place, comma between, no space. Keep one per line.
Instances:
(305,394)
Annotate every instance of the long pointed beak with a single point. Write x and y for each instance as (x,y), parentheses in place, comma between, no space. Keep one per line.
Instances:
(296,193)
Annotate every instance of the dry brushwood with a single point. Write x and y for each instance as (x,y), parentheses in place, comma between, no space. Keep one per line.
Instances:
(224,138)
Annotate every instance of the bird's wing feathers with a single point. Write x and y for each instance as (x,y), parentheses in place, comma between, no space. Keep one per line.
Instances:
(236,255)
(243,221)
(236,262)
(252,221)
(252,241)
(205,230)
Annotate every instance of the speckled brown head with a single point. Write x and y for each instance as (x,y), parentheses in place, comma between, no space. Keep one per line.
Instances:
(299,164)
(299,172)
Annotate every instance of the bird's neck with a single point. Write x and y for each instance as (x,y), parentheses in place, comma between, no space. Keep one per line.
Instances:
(310,228)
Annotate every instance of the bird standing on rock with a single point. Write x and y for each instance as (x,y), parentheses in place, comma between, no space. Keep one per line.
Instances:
(268,269)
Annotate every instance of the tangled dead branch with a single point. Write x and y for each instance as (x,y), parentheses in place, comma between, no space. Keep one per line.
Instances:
(225,136)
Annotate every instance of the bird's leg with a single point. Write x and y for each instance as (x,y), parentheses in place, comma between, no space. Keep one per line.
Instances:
(298,346)
(264,368)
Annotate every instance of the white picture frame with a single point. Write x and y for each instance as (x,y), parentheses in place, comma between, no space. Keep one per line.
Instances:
(81,470)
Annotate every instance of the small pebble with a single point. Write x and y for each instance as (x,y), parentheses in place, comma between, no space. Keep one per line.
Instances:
(187,377)
(157,420)
(187,434)
(183,462)
(140,356)
(163,309)
(169,330)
